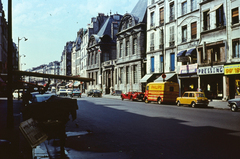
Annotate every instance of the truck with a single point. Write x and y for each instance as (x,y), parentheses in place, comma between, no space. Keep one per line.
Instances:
(161,92)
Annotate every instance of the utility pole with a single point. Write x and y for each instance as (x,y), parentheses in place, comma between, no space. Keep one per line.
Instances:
(10,120)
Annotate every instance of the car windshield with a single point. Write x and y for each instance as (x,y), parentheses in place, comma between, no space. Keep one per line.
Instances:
(96,91)
(62,90)
(200,95)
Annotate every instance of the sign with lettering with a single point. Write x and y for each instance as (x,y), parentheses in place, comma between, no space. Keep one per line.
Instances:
(232,69)
(185,69)
(210,70)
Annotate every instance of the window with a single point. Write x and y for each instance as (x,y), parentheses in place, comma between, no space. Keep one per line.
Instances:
(185,95)
(121,50)
(152,20)
(135,74)
(161,39)
(193,5)
(172,61)
(184,33)
(219,17)
(152,64)
(172,17)
(184,8)
(92,60)
(194,30)
(127,48)
(134,46)
(206,20)
(152,42)
(236,48)
(171,40)
(161,63)
(121,75)
(191,94)
(105,56)
(161,16)
(127,75)
(235,16)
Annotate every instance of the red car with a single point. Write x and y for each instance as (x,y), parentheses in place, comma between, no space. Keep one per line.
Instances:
(133,96)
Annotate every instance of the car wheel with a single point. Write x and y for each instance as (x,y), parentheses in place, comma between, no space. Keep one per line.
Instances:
(178,103)
(193,104)
(146,100)
(122,97)
(159,101)
(131,98)
(234,108)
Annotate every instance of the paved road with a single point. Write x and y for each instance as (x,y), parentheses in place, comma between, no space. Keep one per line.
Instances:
(126,129)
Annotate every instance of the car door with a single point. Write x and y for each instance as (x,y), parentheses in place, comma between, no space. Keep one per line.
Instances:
(191,98)
(184,98)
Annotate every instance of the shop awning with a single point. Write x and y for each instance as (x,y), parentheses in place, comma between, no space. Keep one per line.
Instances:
(191,52)
(169,77)
(215,8)
(181,53)
(149,77)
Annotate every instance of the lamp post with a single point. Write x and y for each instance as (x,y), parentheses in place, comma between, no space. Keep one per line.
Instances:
(25,39)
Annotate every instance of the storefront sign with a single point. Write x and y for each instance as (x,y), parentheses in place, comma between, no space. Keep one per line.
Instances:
(232,69)
(185,69)
(210,70)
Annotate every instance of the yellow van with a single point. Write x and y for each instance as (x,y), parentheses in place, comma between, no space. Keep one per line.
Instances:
(161,92)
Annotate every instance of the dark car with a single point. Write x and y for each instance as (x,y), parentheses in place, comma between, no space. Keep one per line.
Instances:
(234,104)
(94,93)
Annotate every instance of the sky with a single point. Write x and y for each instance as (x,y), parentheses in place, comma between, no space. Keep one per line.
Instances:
(49,24)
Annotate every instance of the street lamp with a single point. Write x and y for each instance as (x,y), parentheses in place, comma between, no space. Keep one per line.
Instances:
(25,39)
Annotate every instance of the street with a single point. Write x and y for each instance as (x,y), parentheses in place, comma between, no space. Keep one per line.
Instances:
(132,129)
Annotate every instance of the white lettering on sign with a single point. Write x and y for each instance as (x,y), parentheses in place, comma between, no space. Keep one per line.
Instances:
(210,70)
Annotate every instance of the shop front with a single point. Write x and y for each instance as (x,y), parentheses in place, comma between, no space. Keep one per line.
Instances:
(188,78)
(232,73)
(211,81)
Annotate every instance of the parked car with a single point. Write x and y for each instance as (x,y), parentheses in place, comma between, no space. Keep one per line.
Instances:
(76,92)
(94,93)
(133,96)
(90,92)
(69,92)
(192,98)
(234,104)
(62,92)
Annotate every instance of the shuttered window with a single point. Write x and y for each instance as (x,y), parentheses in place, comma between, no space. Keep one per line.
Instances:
(161,16)
(235,16)
(194,30)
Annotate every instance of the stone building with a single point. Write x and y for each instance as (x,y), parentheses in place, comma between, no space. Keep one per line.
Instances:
(131,49)
(101,52)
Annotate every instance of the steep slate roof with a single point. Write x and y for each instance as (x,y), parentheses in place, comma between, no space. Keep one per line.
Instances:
(140,10)
(106,28)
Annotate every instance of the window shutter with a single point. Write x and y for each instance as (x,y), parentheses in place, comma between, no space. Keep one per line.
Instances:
(235,12)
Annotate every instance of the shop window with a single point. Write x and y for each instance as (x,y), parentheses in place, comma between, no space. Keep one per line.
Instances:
(235,16)
(236,48)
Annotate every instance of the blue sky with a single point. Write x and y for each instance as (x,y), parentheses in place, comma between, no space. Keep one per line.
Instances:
(49,24)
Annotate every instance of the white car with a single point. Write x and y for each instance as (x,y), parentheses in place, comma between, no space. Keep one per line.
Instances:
(70,92)
(62,92)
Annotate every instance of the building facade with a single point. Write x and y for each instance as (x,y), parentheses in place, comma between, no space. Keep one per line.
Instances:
(131,49)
